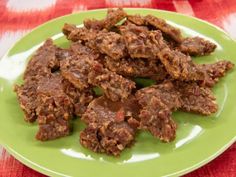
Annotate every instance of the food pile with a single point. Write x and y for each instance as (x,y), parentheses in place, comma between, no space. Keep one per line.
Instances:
(109,54)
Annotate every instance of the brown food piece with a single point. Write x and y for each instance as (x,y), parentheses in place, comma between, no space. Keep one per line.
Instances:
(42,62)
(115,86)
(189,97)
(54,109)
(137,68)
(53,86)
(167,29)
(165,91)
(78,34)
(80,99)
(197,99)
(180,66)
(196,46)
(26,95)
(68,28)
(135,39)
(110,139)
(53,130)
(94,24)
(79,49)
(44,59)
(76,70)
(114,111)
(136,19)
(82,34)
(111,44)
(216,71)
(158,102)
(112,18)
(142,43)
(111,125)
(156,118)
(81,71)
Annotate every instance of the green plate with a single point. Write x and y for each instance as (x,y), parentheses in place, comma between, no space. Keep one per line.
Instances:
(199,139)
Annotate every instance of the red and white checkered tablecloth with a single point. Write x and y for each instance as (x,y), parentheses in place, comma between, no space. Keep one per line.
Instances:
(18,17)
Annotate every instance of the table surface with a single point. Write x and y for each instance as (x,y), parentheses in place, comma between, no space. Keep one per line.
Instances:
(18,17)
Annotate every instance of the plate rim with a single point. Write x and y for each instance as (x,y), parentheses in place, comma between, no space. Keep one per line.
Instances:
(49,172)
